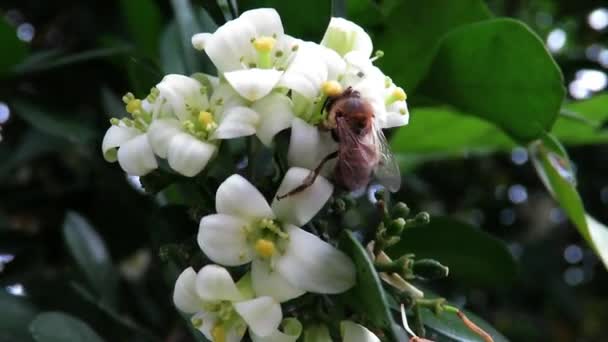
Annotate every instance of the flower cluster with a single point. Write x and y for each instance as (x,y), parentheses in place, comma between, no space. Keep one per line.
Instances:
(267,81)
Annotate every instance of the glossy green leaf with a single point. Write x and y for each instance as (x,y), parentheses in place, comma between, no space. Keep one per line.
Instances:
(13,50)
(189,22)
(89,251)
(444,131)
(473,256)
(498,70)
(555,170)
(53,59)
(171,56)
(414,31)
(15,317)
(143,20)
(367,297)
(60,125)
(449,325)
(61,327)
(303,19)
(576,132)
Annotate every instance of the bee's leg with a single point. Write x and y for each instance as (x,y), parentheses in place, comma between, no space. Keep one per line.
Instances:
(310,179)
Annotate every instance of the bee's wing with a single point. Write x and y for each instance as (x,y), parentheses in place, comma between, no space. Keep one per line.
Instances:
(387,170)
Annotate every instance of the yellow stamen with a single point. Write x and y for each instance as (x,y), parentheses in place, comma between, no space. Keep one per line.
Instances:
(331,88)
(264,44)
(133,105)
(265,248)
(205,118)
(218,333)
(397,95)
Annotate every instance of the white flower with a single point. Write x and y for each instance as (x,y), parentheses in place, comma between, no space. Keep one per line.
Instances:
(350,331)
(353,332)
(251,51)
(286,260)
(194,117)
(126,140)
(221,310)
(344,36)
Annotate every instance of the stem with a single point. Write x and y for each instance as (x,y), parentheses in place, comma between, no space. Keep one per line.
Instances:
(474,327)
(418,324)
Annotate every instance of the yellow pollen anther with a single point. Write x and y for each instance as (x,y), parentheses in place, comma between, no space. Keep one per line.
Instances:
(265,248)
(205,118)
(133,105)
(331,88)
(218,333)
(264,44)
(399,94)
(197,322)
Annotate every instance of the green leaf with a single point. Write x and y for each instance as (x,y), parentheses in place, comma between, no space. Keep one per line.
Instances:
(171,55)
(143,19)
(303,19)
(555,170)
(13,50)
(61,327)
(444,131)
(90,253)
(190,22)
(33,144)
(53,59)
(594,110)
(473,256)
(15,317)
(367,297)
(450,325)
(498,70)
(70,128)
(414,30)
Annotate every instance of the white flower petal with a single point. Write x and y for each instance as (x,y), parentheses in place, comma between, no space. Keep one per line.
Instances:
(263,314)
(315,265)
(276,114)
(229,44)
(214,283)
(199,40)
(182,92)
(237,122)
(188,155)
(308,146)
(223,93)
(291,331)
(209,320)
(224,240)
(397,115)
(236,196)
(352,332)
(160,133)
(267,282)
(253,84)
(300,208)
(266,21)
(185,297)
(136,156)
(306,72)
(114,137)
(344,36)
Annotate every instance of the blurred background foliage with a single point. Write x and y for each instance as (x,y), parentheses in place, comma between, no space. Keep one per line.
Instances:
(84,253)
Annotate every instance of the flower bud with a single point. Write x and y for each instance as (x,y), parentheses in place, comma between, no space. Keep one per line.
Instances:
(423,218)
(430,269)
(396,226)
(401,210)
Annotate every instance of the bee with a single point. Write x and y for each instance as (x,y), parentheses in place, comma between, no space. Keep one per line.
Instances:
(363,151)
